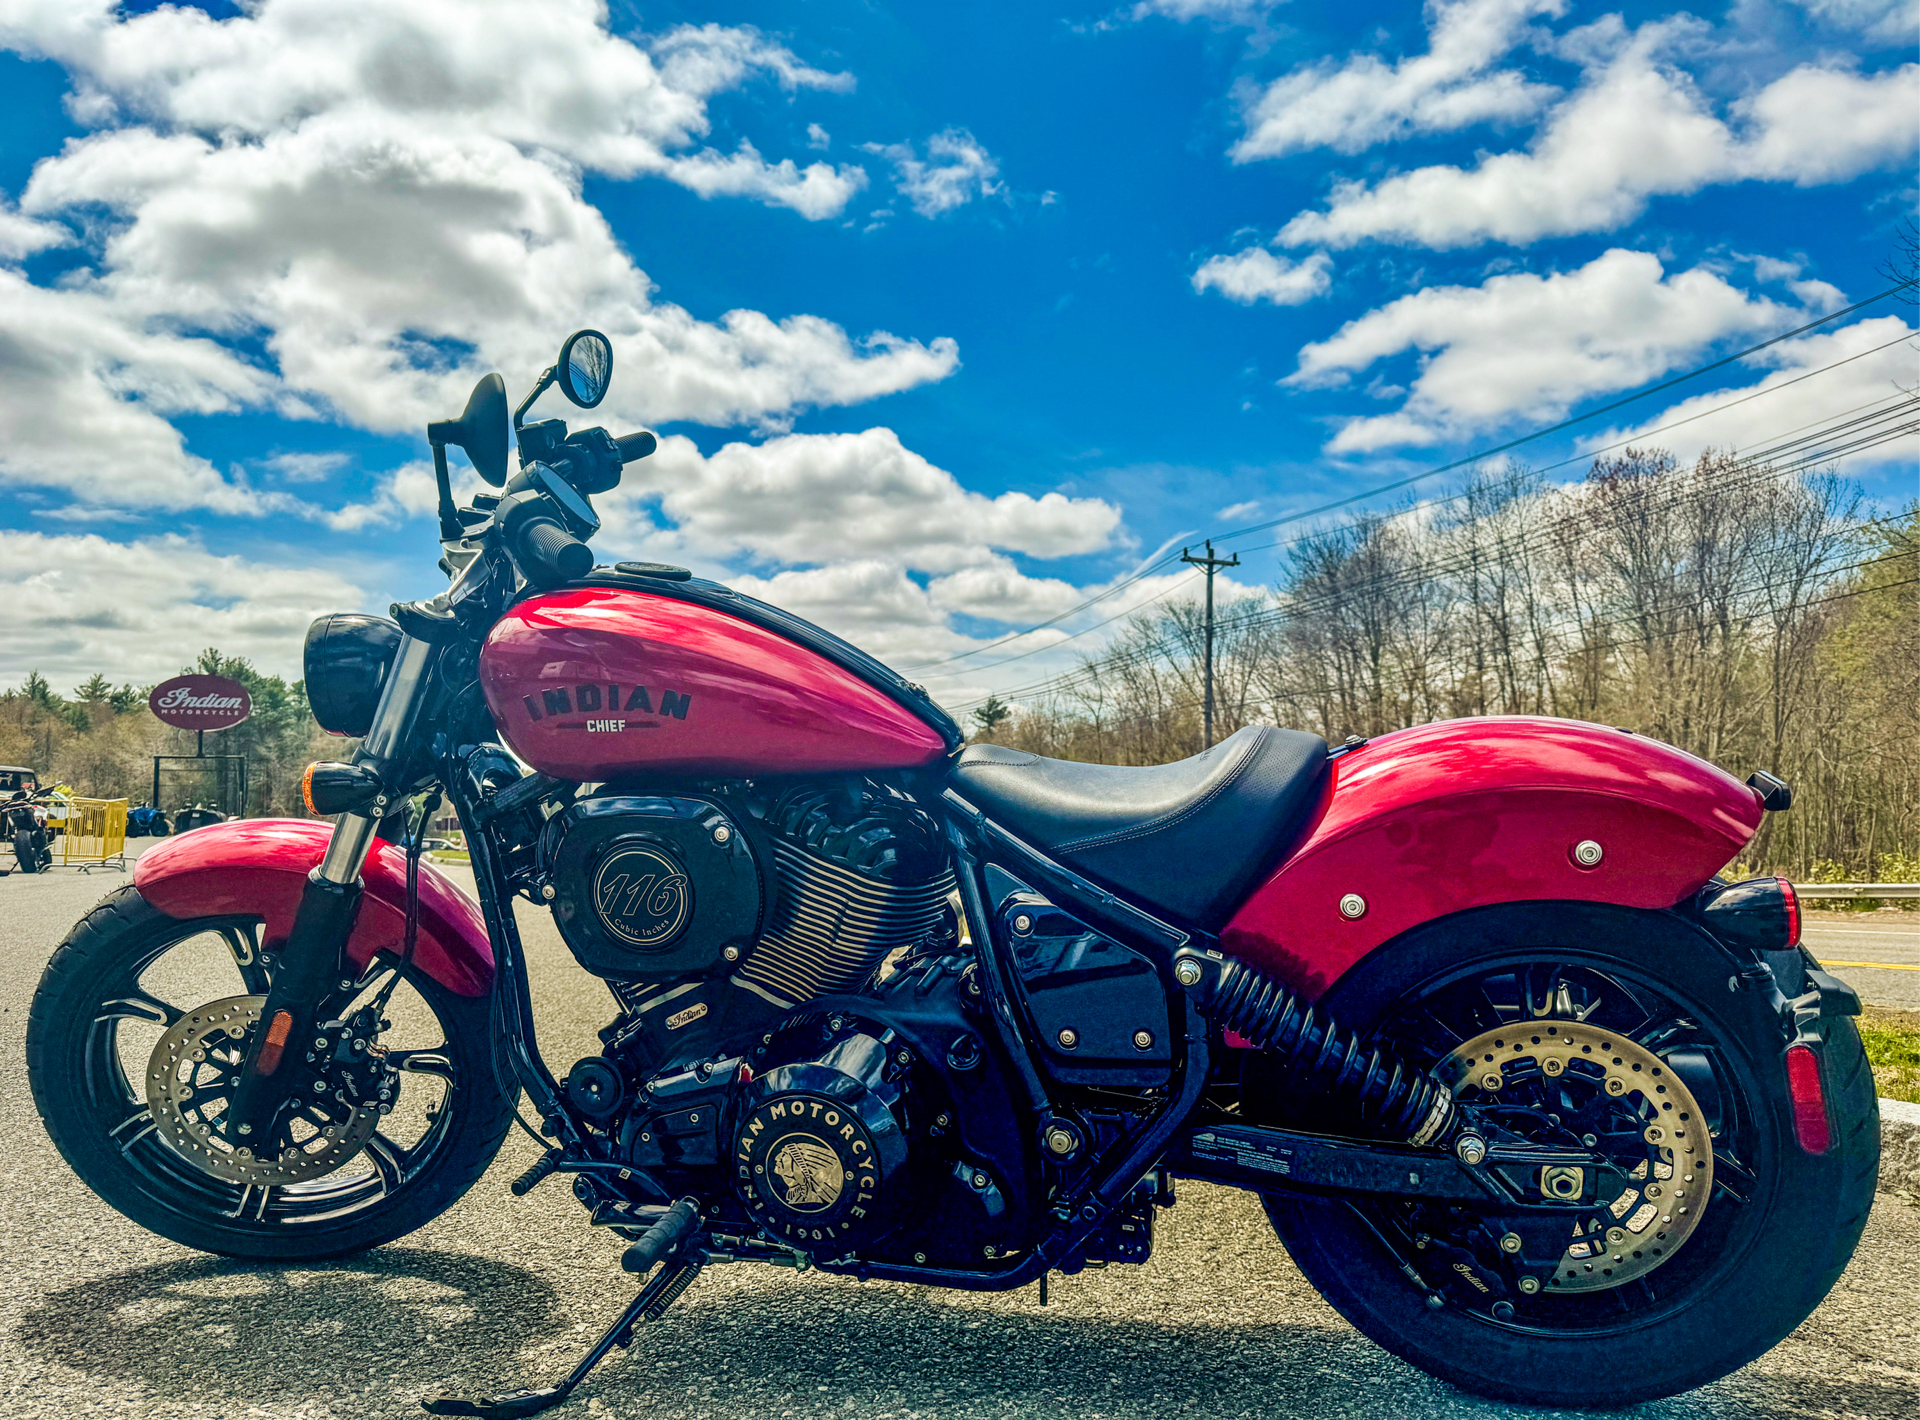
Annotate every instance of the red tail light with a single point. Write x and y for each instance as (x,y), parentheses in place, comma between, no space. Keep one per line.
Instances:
(1793,911)
(1809,1100)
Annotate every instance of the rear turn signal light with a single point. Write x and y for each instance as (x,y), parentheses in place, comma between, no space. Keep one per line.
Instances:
(1810,1125)
(1760,914)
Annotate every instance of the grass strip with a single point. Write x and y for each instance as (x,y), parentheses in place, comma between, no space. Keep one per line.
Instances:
(1893,1049)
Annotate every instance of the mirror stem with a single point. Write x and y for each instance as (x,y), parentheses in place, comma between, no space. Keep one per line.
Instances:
(450,528)
(540,387)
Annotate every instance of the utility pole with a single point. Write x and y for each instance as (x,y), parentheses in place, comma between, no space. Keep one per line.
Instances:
(1212,564)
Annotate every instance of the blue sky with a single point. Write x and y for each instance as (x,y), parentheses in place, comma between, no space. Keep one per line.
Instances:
(950,316)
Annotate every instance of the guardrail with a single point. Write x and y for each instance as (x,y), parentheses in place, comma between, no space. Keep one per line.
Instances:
(1844,892)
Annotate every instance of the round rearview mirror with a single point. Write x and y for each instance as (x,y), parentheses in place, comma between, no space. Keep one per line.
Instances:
(586,367)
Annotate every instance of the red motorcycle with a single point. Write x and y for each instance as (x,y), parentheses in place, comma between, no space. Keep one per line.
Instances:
(1536,1100)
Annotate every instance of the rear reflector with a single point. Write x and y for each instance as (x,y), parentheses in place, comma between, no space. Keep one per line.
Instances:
(1793,911)
(1809,1101)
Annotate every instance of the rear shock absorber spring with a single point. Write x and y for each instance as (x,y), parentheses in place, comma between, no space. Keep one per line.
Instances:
(1383,1092)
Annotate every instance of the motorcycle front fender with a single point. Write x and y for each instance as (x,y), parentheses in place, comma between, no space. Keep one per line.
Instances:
(257,868)
(1422,823)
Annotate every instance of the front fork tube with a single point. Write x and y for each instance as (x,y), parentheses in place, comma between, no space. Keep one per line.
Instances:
(309,964)
(512,998)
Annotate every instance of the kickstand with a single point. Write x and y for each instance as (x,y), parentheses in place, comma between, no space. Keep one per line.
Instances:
(659,1294)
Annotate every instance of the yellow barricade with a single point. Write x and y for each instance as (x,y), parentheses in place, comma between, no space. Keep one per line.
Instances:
(96,834)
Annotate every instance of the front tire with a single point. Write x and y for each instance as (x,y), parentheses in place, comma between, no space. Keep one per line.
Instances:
(103,1007)
(1773,1238)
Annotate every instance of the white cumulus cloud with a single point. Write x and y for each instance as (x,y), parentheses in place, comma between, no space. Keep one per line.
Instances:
(1864,367)
(385,201)
(1526,346)
(833,498)
(1637,127)
(1363,101)
(136,611)
(1256,274)
(956,171)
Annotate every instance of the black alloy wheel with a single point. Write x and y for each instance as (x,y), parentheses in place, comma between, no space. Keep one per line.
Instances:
(137,1031)
(1615,1031)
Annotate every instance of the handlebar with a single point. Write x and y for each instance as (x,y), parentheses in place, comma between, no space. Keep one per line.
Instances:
(549,554)
(635,446)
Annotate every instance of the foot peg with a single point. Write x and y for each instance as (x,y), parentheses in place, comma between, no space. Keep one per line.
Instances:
(663,1238)
(666,1239)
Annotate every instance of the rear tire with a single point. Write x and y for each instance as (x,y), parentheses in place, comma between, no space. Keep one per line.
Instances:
(1744,1280)
(100,981)
(28,850)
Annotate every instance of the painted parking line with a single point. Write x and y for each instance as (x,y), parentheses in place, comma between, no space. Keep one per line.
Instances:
(1876,965)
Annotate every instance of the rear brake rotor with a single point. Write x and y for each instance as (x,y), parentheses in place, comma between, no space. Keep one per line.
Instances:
(190,1082)
(1653,1131)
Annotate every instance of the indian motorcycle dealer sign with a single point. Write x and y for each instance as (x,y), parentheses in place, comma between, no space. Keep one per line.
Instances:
(200,702)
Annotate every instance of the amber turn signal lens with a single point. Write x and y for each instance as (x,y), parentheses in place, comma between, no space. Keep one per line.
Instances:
(330,789)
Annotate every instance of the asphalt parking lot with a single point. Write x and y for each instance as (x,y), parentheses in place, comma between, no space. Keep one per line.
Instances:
(1877,953)
(99,1318)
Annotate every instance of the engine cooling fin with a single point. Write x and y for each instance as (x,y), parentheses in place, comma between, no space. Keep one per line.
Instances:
(854,882)
(1317,1055)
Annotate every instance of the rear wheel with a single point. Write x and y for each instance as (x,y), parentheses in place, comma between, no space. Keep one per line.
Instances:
(30,849)
(137,1032)
(1602,1305)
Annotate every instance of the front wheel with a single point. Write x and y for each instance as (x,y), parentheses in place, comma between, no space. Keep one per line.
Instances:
(1615,1031)
(137,1032)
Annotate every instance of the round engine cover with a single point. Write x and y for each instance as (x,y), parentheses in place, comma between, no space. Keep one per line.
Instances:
(815,1150)
(650,888)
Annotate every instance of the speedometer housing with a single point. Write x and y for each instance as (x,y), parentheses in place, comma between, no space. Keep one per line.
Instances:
(347,657)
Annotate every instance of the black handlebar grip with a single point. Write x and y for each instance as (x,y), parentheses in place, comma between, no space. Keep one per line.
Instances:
(552,554)
(635,446)
(663,1238)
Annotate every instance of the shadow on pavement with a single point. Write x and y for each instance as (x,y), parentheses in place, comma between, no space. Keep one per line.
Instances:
(210,1328)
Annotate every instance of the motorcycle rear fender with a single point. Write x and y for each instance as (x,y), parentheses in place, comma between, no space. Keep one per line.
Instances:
(257,867)
(1434,820)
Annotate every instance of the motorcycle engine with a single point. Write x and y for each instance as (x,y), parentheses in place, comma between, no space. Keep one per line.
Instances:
(650,888)
(817,1142)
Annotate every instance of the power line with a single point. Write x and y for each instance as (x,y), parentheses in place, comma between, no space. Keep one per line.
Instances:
(1756,471)
(1484,454)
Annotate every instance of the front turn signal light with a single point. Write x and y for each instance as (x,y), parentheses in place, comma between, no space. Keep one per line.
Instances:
(331,789)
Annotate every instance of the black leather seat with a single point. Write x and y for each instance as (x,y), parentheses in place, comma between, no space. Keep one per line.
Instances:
(1189,838)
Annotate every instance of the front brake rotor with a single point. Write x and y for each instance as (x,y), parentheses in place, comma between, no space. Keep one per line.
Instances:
(190,1082)
(1641,1117)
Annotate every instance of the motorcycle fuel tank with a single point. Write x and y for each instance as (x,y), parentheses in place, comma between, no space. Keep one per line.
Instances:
(593,683)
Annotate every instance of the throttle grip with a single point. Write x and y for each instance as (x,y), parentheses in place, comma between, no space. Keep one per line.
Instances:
(549,554)
(635,446)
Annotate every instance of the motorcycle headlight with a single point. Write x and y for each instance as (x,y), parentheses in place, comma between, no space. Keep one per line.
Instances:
(347,657)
